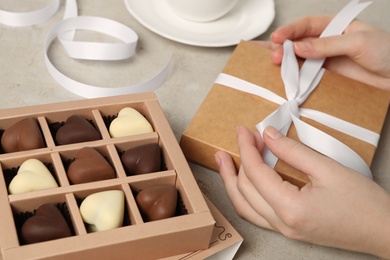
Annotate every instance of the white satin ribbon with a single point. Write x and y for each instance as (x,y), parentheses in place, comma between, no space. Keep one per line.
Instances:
(65,31)
(298,86)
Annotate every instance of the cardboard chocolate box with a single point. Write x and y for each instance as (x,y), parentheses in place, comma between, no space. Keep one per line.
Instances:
(214,125)
(137,237)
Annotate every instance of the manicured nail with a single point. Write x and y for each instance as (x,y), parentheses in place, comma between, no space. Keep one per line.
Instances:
(303,46)
(272,133)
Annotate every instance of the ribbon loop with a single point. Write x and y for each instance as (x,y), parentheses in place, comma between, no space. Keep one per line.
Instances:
(290,71)
(97,50)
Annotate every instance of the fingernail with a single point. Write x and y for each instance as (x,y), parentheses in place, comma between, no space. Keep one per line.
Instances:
(303,46)
(272,133)
(217,160)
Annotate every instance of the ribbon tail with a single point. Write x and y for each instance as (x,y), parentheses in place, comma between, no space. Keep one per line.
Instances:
(340,125)
(331,147)
(279,119)
(290,71)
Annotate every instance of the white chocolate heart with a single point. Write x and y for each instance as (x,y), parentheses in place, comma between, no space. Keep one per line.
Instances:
(31,176)
(103,210)
(129,122)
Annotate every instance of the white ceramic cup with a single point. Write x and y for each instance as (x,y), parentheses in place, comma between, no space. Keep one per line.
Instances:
(201,10)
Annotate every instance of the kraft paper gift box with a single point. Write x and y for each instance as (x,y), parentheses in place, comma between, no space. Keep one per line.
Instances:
(214,125)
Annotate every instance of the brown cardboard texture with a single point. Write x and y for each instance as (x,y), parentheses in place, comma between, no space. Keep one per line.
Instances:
(214,125)
(189,230)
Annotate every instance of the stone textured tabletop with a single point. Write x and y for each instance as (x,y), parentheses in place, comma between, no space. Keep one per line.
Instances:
(26,81)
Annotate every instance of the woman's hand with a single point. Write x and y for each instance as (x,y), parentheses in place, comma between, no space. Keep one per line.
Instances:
(361,53)
(338,208)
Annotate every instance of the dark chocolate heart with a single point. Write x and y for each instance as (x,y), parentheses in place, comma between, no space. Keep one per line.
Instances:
(157,202)
(47,223)
(88,166)
(23,135)
(142,159)
(76,130)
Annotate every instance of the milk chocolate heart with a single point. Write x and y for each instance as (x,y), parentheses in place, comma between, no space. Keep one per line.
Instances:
(88,166)
(129,122)
(142,159)
(23,135)
(47,223)
(157,202)
(76,130)
(103,210)
(32,175)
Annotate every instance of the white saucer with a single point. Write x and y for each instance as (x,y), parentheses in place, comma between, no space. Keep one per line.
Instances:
(247,20)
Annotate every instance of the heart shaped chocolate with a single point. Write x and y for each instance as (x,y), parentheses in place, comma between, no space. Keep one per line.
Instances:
(103,210)
(32,175)
(21,136)
(47,223)
(76,130)
(157,202)
(142,159)
(88,166)
(129,122)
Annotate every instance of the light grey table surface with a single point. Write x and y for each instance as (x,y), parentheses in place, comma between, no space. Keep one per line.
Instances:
(25,81)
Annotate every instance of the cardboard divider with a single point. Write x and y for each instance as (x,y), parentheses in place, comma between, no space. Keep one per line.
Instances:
(59,168)
(100,124)
(116,161)
(49,140)
(6,226)
(77,221)
(134,214)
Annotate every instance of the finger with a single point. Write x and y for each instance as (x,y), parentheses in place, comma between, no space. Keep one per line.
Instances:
(229,177)
(311,26)
(267,44)
(265,180)
(256,201)
(259,141)
(346,44)
(277,54)
(298,155)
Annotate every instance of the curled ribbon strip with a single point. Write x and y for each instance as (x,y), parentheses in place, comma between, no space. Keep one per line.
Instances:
(298,86)
(65,31)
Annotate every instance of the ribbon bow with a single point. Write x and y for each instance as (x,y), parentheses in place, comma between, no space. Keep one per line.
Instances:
(299,83)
